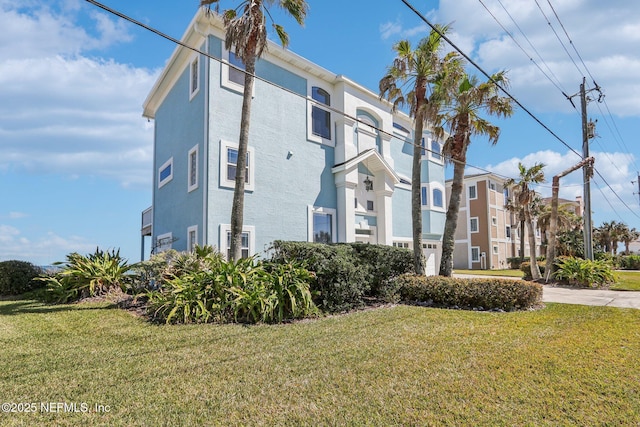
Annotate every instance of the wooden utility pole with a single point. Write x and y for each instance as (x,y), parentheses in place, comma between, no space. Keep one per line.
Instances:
(553,226)
(586,174)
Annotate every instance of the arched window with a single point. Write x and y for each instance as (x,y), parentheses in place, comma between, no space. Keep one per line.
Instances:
(321,118)
(437,198)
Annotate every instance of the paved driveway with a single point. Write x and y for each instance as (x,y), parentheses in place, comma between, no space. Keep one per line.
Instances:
(624,299)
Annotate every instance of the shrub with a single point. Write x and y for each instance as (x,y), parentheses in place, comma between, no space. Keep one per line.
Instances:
(241,291)
(87,276)
(630,262)
(487,293)
(525,267)
(17,277)
(584,273)
(348,273)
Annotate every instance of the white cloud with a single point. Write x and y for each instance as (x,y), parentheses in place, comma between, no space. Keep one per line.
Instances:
(66,113)
(41,251)
(396,30)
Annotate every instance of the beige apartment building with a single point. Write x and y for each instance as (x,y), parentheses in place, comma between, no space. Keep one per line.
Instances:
(487,233)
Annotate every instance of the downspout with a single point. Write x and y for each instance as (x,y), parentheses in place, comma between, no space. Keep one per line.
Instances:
(489,264)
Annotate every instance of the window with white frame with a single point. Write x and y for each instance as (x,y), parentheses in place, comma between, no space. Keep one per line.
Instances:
(475,254)
(423,144)
(405,245)
(473,225)
(163,243)
(192,238)
(232,74)
(505,193)
(494,221)
(438,200)
(320,117)
(370,205)
(495,249)
(436,150)
(194,77)
(229,166)
(322,225)
(492,185)
(508,232)
(247,240)
(192,169)
(472,192)
(424,196)
(165,172)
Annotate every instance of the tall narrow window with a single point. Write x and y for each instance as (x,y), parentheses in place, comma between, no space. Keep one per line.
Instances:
(236,75)
(423,196)
(473,225)
(435,150)
(192,238)
(229,166)
(475,254)
(423,144)
(322,224)
(508,232)
(194,77)
(321,118)
(472,192)
(193,169)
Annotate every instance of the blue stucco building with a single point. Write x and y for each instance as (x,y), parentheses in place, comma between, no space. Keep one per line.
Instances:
(314,174)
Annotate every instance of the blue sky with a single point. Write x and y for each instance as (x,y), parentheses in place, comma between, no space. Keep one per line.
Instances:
(76,154)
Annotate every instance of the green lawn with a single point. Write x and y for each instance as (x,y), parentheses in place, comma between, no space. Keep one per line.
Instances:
(403,365)
(627,281)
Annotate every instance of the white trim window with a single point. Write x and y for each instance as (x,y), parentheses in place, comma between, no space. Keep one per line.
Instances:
(163,243)
(319,119)
(424,196)
(495,249)
(475,253)
(508,232)
(248,240)
(436,151)
(194,77)
(437,196)
(232,77)
(165,173)
(321,225)
(192,169)
(228,166)
(473,192)
(494,221)
(192,238)
(473,224)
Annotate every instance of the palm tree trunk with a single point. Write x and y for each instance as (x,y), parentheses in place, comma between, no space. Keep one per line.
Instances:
(416,198)
(237,208)
(522,232)
(535,270)
(450,225)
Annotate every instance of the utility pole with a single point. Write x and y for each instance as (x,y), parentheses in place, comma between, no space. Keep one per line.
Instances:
(588,132)
(586,174)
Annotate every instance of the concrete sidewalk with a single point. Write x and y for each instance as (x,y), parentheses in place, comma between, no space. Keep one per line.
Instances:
(623,299)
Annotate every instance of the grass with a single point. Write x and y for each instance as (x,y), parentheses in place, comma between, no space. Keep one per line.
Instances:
(506,272)
(403,365)
(627,281)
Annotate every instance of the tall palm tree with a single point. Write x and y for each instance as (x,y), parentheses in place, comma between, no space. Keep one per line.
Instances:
(604,235)
(246,33)
(525,196)
(462,116)
(409,82)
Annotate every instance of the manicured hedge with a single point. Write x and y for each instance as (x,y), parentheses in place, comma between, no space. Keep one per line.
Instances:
(348,275)
(481,293)
(525,267)
(17,277)
(630,262)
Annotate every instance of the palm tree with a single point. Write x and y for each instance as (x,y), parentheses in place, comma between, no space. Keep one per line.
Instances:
(469,99)
(566,220)
(604,235)
(409,82)
(525,197)
(246,33)
(630,236)
(619,231)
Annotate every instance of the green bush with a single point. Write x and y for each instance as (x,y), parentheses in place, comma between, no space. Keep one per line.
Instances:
(87,276)
(525,267)
(630,262)
(584,273)
(17,277)
(348,275)
(240,291)
(485,293)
